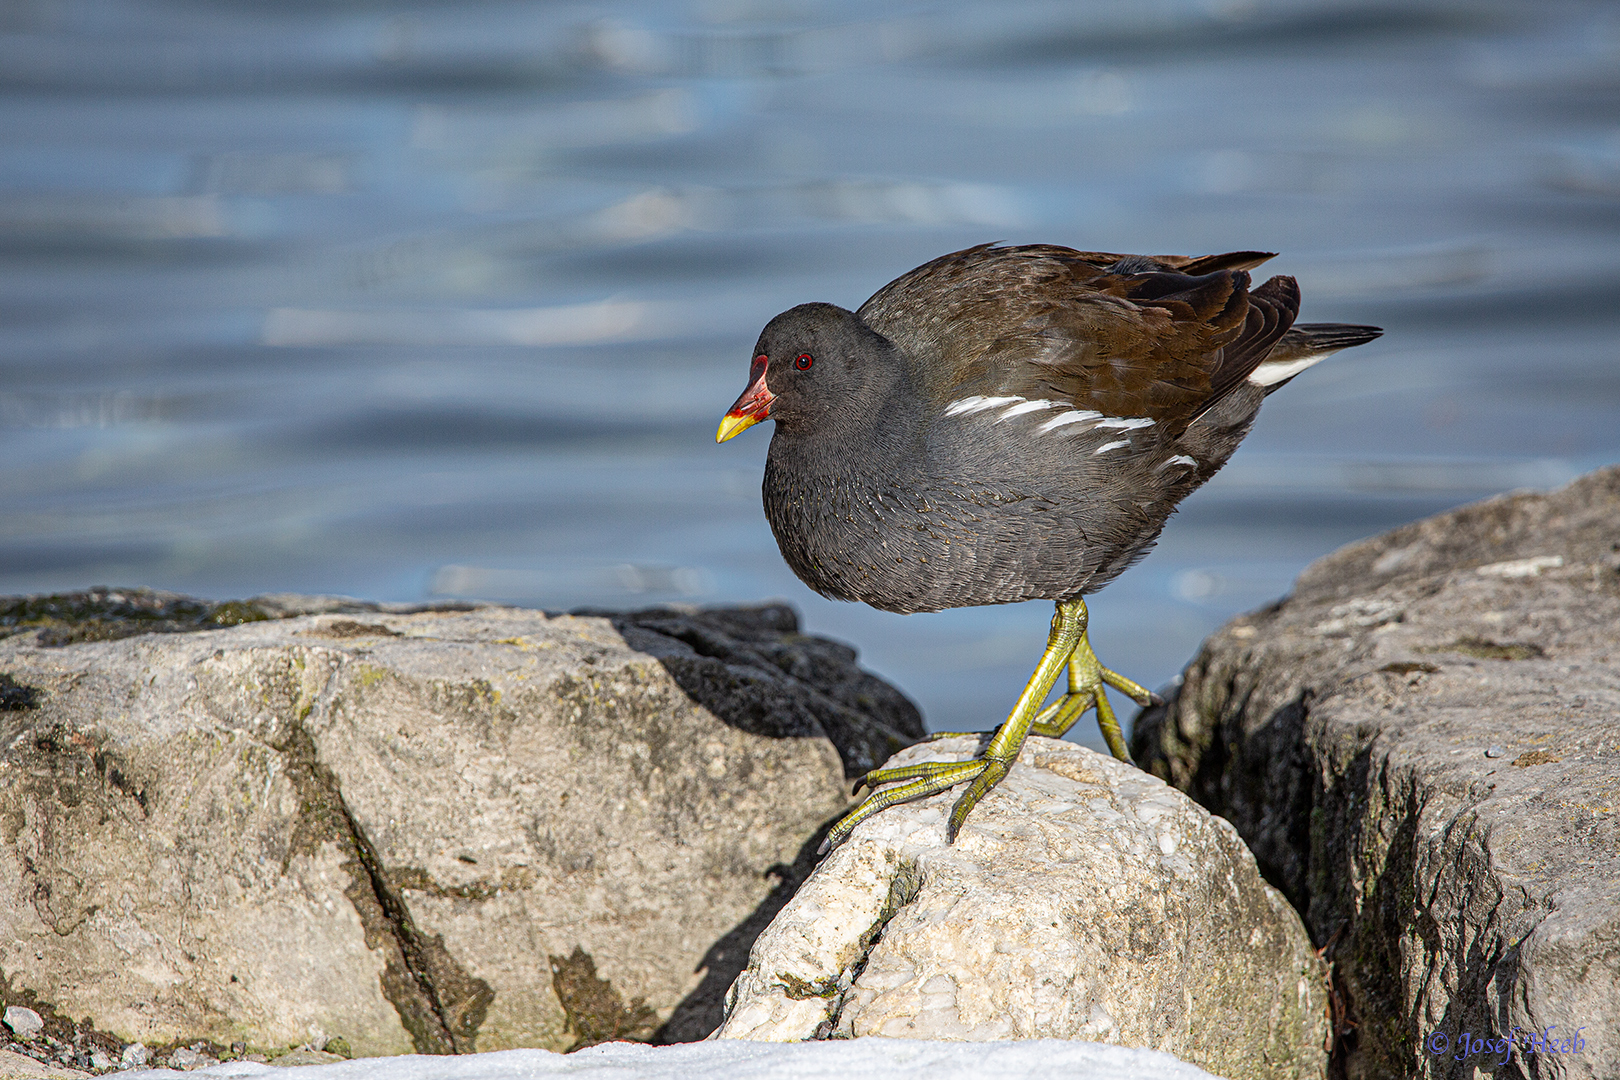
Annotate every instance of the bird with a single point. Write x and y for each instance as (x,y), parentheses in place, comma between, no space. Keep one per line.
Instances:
(1012,423)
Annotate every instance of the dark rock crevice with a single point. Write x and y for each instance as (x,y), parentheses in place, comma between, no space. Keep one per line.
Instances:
(438,1001)
(16,696)
(1320,822)
(904,886)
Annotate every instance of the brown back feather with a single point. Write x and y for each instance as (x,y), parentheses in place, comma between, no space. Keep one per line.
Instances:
(1043,321)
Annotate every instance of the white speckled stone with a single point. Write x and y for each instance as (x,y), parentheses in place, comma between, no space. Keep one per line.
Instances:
(1084,899)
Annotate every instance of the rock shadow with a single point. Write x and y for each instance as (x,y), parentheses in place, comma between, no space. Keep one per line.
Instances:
(701,1011)
(752,668)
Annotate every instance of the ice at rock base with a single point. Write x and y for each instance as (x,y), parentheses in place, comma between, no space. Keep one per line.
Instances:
(855,1059)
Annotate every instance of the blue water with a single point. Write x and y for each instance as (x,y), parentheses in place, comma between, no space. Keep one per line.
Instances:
(430,300)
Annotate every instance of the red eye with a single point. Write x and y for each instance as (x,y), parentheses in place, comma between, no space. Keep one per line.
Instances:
(804,361)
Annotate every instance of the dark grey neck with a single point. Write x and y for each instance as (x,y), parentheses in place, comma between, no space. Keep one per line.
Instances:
(884,437)
(838,488)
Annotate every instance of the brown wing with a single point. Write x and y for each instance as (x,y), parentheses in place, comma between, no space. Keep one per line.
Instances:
(1125,336)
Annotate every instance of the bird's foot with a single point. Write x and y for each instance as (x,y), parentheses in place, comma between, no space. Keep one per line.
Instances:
(921,781)
(987,769)
(1087,678)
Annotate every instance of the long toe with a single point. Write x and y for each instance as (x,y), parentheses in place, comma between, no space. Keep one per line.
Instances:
(1057,718)
(1133,690)
(995,769)
(925,770)
(924,780)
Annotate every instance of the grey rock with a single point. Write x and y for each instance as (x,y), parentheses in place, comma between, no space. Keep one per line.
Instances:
(135,1055)
(1342,732)
(430,830)
(1084,899)
(15,1066)
(183,1057)
(25,1023)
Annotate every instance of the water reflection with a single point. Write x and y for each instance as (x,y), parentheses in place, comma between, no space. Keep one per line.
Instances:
(431,299)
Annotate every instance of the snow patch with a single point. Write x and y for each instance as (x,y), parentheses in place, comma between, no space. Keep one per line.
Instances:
(854,1059)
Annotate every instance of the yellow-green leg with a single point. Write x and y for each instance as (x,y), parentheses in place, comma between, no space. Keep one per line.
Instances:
(1066,645)
(986,770)
(1087,677)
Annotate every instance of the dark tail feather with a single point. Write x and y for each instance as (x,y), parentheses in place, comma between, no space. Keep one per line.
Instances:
(1305,345)
(1331,337)
(1232,260)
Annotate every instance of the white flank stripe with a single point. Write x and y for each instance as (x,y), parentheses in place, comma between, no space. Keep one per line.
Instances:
(1126,425)
(1179,459)
(963,406)
(1073,416)
(1275,372)
(1115,445)
(1026,407)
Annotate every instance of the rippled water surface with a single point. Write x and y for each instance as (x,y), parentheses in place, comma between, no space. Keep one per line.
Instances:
(426,300)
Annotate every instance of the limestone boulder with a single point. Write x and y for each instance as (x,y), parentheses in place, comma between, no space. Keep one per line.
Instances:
(1422,747)
(1083,899)
(338,824)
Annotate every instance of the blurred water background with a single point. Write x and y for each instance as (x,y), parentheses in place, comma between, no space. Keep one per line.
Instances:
(424,300)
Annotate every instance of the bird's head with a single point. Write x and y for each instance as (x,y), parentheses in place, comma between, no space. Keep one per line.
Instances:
(812,363)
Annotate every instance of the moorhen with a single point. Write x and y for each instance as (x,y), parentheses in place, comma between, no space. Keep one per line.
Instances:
(1006,424)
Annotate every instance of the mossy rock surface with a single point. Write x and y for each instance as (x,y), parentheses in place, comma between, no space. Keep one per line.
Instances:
(1420,745)
(376,823)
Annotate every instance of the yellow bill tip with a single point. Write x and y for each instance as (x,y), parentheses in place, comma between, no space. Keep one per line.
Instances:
(734,424)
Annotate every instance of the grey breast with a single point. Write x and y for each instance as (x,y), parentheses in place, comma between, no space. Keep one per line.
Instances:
(1004,499)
